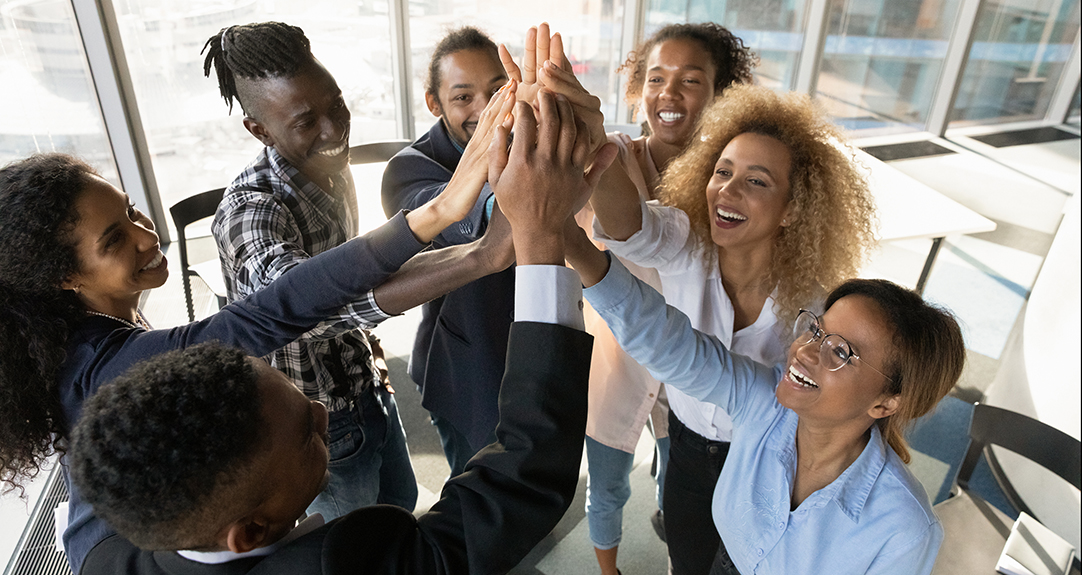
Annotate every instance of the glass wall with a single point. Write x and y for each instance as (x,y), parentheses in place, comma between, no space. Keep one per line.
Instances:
(774,29)
(1019,50)
(882,62)
(591,30)
(49,104)
(195,144)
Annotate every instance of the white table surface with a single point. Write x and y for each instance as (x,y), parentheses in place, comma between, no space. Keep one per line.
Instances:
(909,209)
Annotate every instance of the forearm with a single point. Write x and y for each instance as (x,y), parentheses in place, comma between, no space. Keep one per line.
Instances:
(431,274)
(616,204)
(590,262)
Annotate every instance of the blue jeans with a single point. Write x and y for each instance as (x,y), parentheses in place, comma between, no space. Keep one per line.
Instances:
(608,487)
(370,462)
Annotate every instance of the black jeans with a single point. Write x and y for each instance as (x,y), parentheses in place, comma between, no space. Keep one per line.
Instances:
(694,466)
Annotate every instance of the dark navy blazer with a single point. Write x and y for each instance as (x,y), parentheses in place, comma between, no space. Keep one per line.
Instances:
(458,355)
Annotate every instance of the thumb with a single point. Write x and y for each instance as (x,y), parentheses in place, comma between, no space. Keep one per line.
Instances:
(604,158)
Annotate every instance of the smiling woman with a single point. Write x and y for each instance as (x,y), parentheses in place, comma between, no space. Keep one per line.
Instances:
(75,256)
(815,480)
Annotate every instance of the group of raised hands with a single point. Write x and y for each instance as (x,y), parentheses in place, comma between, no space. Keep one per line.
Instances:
(545,173)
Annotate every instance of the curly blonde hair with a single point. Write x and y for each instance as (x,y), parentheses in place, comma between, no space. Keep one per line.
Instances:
(832,211)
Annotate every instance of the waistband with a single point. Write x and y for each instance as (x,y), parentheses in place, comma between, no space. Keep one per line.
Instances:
(680,432)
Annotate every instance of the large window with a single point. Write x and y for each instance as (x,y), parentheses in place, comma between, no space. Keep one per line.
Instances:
(882,62)
(194,144)
(591,30)
(1019,50)
(774,29)
(48,103)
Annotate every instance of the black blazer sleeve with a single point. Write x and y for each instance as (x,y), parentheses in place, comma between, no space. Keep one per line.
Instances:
(509,498)
(512,493)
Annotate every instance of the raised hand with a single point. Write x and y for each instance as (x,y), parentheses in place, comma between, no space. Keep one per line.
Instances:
(461,193)
(542,181)
(544,65)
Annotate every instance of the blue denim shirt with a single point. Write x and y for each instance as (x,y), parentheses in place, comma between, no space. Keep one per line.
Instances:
(875,518)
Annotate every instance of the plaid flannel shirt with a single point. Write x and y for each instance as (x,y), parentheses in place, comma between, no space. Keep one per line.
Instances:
(272,218)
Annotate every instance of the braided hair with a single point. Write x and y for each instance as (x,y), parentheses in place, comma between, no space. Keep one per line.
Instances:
(253,51)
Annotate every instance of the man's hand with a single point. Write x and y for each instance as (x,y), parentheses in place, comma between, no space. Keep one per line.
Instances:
(542,180)
(460,195)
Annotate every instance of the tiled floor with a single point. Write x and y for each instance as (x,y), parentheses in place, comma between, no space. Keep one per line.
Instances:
(984,278)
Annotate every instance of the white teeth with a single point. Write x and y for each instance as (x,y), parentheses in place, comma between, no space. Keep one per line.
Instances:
(670,116)
(801,379)
(157,261)
(730,215)
(335,151)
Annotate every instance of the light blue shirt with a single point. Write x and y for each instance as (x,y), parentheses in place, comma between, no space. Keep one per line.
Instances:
(875,518)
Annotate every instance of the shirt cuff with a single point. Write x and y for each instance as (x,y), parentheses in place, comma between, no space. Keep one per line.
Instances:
(548,294)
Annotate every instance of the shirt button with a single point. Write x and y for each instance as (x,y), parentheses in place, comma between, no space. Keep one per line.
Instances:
(781,525)
(759,552)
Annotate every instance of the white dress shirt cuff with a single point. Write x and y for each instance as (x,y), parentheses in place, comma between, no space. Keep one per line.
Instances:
(548,294)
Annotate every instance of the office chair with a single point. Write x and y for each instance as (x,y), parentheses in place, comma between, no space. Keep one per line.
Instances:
(374,152)
(975,531)
(186,212)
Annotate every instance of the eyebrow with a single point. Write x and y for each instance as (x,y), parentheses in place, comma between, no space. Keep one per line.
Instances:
(501,78)
(757,168)
(688,67)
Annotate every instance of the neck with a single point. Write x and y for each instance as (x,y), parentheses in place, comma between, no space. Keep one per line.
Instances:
(745,270)
(830,449)
(661,152)
(125,309)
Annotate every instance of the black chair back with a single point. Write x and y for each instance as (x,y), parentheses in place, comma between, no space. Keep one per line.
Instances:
(184,213)
(374,152)
(1039,442)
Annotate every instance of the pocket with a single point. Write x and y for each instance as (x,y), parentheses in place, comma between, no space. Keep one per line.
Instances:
(346,442)
(451,330)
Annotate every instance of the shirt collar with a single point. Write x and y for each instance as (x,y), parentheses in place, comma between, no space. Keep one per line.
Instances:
(851,489)
(287,172)
(310,523)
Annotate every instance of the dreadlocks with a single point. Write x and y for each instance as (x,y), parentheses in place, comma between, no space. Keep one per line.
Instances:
(251,51)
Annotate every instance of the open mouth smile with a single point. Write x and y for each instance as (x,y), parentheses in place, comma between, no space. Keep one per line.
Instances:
(730,217)
(800,378)
(334,151)
(154,263)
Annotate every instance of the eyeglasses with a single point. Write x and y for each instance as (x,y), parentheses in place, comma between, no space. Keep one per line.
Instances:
(834,351)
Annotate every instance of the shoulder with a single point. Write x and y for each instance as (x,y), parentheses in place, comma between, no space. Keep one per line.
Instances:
(899,499)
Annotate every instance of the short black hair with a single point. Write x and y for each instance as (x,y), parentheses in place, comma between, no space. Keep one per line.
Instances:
(253,51)
(155,451)
(464,38)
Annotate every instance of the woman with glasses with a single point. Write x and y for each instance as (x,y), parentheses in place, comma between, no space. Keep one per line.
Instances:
(759,217)
(816,480)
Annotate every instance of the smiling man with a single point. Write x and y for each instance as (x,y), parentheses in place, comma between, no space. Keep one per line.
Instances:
(219,495)
(296,200)
(458,354)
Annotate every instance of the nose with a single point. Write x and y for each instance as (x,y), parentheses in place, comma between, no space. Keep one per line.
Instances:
(335,125)
(321,416)
(146,237)
(670,90)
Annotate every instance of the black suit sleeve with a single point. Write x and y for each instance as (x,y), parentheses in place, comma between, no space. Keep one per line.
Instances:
(512,493)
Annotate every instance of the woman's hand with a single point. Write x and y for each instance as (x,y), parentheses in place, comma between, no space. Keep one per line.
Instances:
(544,65)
